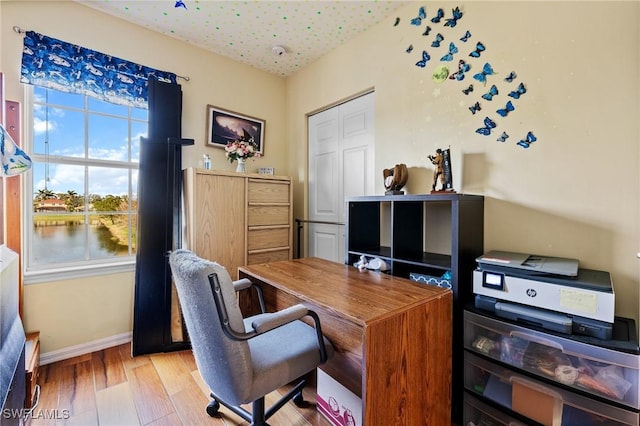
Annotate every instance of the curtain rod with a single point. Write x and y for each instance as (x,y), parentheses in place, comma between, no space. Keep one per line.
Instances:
(19,30)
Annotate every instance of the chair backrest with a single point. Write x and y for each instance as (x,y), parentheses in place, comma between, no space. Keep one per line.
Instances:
(224,364)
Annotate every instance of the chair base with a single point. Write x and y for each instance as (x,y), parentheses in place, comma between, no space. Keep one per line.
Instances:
(258,416)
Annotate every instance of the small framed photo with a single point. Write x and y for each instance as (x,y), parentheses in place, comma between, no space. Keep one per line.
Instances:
(225,126)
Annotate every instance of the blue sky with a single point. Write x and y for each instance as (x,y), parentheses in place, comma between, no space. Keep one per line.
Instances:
(108,142)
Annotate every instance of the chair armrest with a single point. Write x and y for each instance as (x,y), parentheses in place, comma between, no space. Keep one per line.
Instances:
(270,321)
(244,284)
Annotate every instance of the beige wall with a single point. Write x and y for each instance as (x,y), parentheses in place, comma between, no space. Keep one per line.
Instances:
(74,312)
(575,192)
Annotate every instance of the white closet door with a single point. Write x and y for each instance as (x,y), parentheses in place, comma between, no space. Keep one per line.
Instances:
(341,164)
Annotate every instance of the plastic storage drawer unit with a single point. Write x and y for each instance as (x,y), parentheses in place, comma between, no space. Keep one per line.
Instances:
(598,370)
(536,400)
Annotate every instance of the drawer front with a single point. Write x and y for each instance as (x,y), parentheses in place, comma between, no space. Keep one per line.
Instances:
(258,239)
(260,191)
(478,412)
(267,215)
(268,256)
(537,400)
(600,371)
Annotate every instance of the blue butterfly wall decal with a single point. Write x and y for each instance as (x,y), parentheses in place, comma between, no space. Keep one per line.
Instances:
(462,68)
(465,37)
(512,76)
(449,56)
(438,17)
(410,48)
(425,58)
(418,19)
(503,137)
(506,110)
(482,76)
(528,140)
(468,89)
(493,91)
(438,39)
(479,49)
(426,31)
(180,3)
(397,21)
(488,125)
(475,108)
(521,90)
(453,21)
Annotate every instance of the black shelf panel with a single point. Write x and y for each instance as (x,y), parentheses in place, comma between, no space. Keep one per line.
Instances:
(380,251)
(431,260)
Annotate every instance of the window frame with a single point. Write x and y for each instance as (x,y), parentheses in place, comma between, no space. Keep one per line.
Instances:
(77,269)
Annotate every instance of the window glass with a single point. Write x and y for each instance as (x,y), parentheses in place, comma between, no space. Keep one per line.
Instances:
(58,132)
(84,181)
(108,138)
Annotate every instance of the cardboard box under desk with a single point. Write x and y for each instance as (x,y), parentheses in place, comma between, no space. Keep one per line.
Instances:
(338,404)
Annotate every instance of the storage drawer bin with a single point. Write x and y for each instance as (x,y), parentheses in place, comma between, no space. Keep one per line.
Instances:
(598,370)
(544,403)
(479,413)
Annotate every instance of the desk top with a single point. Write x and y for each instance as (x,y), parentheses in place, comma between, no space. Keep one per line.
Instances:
(362,297)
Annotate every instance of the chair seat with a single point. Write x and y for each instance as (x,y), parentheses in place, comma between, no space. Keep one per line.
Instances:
(282,355)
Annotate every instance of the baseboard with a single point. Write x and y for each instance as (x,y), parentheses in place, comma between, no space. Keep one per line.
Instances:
(85,348)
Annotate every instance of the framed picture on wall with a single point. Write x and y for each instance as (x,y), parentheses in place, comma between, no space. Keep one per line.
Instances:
(225,126)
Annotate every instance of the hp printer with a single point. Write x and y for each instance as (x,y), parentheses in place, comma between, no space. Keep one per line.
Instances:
(554,293)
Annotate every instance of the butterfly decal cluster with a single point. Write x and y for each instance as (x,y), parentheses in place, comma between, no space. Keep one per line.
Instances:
(444,44)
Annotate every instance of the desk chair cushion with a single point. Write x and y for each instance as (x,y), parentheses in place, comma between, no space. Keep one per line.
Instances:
(238,371)
(296,342)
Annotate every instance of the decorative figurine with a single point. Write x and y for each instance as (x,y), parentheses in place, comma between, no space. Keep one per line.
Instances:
(442,170)
(395,179)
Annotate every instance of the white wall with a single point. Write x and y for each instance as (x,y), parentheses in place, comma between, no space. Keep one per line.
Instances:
(575,193)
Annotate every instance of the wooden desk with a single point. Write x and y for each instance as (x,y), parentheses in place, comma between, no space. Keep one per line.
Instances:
(392,336)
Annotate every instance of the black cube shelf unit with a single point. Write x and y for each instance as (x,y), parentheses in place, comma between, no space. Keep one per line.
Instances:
(423,234)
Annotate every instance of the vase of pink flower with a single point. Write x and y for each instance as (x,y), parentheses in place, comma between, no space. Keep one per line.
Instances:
(240,150)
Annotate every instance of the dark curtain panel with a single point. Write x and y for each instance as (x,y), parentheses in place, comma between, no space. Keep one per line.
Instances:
(159,189)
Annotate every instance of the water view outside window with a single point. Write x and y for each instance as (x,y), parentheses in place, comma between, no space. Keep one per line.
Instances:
(84,180)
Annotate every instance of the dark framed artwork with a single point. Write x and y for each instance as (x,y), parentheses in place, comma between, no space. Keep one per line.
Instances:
(225,126)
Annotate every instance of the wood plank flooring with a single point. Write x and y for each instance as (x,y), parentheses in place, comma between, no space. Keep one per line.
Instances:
(110,387)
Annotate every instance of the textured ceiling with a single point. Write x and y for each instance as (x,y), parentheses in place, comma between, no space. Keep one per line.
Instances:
(248,31)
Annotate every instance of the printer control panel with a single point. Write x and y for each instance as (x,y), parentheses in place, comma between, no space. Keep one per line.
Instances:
(493,280)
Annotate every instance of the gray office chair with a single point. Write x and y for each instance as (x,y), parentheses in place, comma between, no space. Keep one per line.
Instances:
(242,360)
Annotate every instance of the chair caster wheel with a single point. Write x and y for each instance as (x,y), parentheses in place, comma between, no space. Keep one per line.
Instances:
(298,399)
(212,408)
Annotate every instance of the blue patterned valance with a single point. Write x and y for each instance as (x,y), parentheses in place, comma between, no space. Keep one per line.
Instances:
(59,65)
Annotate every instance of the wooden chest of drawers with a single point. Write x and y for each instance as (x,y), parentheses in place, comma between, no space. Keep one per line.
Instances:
(238,219)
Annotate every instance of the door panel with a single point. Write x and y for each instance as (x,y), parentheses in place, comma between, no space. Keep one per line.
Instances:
(341,164)
(324,195)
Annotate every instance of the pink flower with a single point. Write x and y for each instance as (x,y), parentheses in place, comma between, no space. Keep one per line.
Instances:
(241,150)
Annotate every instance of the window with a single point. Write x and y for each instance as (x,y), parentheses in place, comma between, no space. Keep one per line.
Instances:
(82,216)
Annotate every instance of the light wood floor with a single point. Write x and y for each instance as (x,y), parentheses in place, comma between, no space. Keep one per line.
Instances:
(110,387)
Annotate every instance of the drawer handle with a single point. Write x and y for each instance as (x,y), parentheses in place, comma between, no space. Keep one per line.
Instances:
(536,339)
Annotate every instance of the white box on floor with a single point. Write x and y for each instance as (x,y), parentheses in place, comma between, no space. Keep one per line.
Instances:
(338,404)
